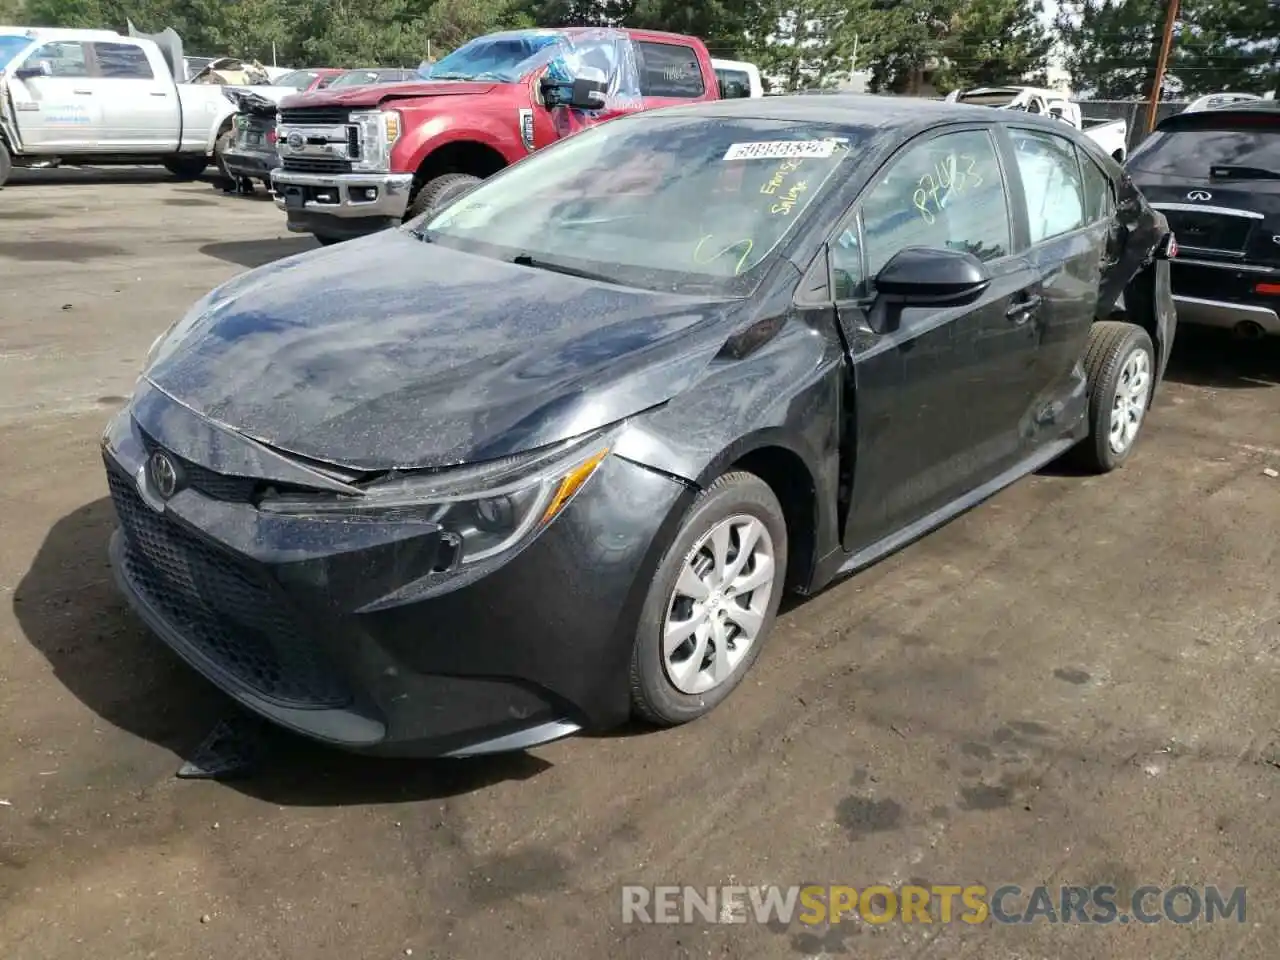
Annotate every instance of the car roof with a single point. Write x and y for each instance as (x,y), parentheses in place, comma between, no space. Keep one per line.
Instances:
(854,109)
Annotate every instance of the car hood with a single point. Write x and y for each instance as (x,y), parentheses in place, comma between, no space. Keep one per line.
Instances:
(392,352)
(372,94)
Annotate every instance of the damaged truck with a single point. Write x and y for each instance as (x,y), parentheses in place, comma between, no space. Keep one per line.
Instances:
(355,161)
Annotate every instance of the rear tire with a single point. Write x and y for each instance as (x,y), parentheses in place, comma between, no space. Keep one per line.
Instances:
(6,164)
(225,139)
(1119,363)
(691,653)
(440,191)
(187,168)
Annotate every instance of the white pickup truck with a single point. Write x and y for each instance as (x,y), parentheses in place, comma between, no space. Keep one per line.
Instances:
(1111,135)
(99,97)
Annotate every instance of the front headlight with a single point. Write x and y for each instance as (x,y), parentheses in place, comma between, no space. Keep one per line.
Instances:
(379,131)
(484,510)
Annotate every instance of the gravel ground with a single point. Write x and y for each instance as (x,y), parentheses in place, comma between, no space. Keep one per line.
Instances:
(1073,684)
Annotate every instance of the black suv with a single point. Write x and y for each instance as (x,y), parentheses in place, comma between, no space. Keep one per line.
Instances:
(1215,174)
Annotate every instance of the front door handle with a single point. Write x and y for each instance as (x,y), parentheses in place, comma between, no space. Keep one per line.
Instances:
(83,93)
(1021,310)
(158,93)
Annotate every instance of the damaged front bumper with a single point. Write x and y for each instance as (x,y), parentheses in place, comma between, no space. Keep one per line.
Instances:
(305,623)
(343,204)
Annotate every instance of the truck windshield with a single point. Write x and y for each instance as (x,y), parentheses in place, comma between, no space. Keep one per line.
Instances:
(10,47)
(1202,154)
(683,204)
(498,57)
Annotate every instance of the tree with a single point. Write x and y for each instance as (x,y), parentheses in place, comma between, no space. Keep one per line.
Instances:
(1114,44)
(995,42)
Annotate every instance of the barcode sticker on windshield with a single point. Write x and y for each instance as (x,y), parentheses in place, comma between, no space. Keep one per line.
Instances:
(781,149)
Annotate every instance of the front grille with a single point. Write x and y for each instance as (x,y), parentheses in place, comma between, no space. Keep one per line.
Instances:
(228,612)
(316,164)
(1209,231)
(317,116)
(219,486)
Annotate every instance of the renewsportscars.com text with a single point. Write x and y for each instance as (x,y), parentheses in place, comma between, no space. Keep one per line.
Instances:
(814,905)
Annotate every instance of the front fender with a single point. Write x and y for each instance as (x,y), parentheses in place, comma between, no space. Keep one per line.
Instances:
(786,396)
(423,139)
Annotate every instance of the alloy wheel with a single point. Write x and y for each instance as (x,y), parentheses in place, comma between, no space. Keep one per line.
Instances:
(1129,406)
(719,604)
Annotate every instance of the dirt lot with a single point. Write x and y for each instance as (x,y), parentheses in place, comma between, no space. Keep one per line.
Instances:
(1073,684)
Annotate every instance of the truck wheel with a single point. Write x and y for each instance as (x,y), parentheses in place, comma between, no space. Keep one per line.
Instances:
(186,168)
(440,191)
(712,601)
(1119,364)
(6,164)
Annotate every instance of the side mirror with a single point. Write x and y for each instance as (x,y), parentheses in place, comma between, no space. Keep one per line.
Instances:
(925,277)
(43,68)
(586,92)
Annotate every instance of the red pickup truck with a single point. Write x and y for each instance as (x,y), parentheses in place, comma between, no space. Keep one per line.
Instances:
(359,160)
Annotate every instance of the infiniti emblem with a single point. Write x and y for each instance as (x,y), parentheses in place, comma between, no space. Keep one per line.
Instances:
(295,141)
(1199,195)
(164,475)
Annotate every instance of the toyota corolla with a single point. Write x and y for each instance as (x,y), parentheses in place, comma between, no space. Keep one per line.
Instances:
(548,458)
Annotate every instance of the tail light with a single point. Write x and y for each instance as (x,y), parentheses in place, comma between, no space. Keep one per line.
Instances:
(271,136)
(1168,248)
(1272,289)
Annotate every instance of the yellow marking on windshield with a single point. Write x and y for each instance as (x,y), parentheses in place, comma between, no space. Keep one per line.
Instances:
(698,259)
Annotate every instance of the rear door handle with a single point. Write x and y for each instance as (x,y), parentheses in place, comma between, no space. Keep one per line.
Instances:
(1021,310)
(158,93)
(83,93)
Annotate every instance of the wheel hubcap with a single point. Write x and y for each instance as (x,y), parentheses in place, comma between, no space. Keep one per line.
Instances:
(1130,403)
(718,605)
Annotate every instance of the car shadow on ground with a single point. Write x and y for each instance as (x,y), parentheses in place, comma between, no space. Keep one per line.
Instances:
(50,176)
(69,609)
(256,253)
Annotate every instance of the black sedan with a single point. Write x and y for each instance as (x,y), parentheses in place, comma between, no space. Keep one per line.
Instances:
(549,457)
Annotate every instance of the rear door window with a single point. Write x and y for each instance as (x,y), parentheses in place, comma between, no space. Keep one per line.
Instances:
(1051,182)
(669,70)
(122,61)
(1099,199)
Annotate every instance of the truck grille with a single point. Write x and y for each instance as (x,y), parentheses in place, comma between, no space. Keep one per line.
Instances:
(316,164)
(1209,231)
(225,611)
(317,116)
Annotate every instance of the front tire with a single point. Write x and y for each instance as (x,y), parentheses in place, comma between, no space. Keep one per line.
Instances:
(1119,363)
(440,191)
(186,168)
(6,164)
(712,602)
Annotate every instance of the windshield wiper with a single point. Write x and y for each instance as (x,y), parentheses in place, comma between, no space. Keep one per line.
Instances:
(449,76)
(1228,172)
(525,260)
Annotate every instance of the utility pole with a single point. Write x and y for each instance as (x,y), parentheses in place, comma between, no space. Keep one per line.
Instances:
(1162,63)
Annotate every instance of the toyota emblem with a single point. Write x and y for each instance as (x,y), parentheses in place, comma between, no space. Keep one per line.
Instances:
(1199,195)
(164,474)
(295,141)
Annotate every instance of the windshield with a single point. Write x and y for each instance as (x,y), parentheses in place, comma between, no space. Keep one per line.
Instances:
(10,47)
(356,78)
(299,79)
(500,57)
(1194,154)
(686,204)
